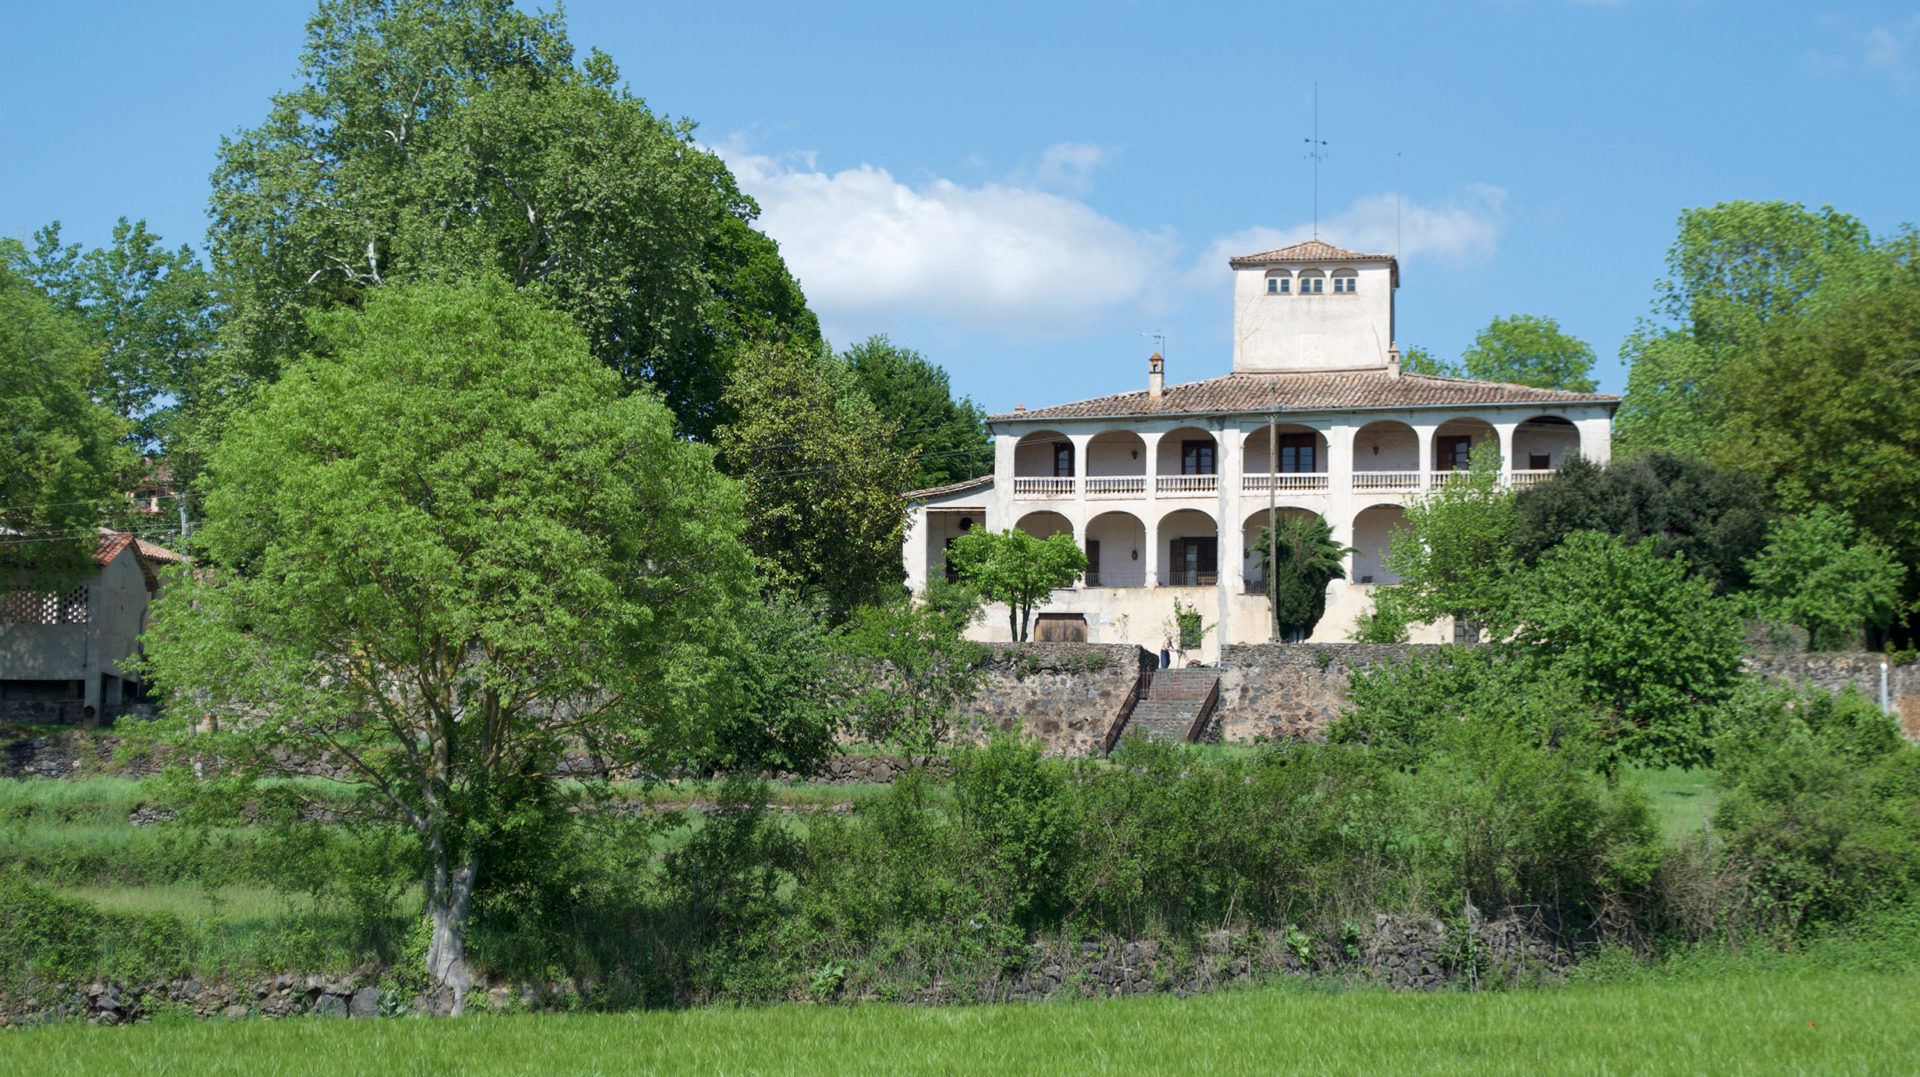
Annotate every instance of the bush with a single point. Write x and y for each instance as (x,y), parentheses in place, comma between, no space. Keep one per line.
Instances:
(1015,812)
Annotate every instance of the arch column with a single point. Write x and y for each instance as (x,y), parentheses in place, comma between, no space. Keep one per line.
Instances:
(1503,438)
(1151,450)
(1080,443)
(1424,434)
(1229,448)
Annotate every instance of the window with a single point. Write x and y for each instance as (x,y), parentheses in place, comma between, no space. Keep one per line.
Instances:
(1539,461)
(1273,285)
(1296,453)
(1315,281)
(1063,459)
(1195,562)
(1344,284)
(1279,282)
(1452,453)
(1196,458)
(1093,562)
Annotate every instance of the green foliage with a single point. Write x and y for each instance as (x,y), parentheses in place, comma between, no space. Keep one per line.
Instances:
(428,139)
(1636,635)
(1417,360)
(913,666)
(792,690)
(1309,560)
(149,313)
(1813,573)
(821,477)
(1737,274)
(59,462)
(1712,517)
(1014,807)
(1016,568)
(1829,415)
(446,553)
(1189,628)
(1822,808)
(1529,350)
(1454,556)
(949,436)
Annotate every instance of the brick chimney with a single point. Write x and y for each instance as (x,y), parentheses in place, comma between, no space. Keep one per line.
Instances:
(1156,377)
(1393,361)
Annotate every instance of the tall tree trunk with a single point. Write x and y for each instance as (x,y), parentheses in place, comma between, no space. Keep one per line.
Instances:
(1013,621)
(449,899)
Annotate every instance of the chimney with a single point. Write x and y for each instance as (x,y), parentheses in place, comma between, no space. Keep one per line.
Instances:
(1393,361)
(1156,377)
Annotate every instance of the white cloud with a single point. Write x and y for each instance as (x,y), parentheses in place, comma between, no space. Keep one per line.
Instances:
(1004,257)
(1069,165)
(1883,50)
(1466,228)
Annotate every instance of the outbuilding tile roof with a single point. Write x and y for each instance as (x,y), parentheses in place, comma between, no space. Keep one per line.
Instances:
(950,488)
(1344,390)
(1310,251)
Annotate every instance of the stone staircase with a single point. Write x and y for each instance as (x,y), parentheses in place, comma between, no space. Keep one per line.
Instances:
(1168,704)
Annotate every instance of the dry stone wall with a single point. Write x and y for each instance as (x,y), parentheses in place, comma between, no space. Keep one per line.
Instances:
(1274,691)
(1066,694)
(1834,672)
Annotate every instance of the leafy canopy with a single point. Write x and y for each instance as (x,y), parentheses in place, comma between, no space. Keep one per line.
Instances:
(432,138)
(1454,555)
(443,552)
(1530,350)
(58,461)
(1016,568)
(913,665)
(1815,573)
(949,436)
(821,476)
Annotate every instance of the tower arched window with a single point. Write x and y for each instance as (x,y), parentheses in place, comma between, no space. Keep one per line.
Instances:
(1312,282)
(1279,282)
(1344,281)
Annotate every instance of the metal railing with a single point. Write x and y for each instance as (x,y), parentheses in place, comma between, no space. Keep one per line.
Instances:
(1117,486)
(1187,485)
(1285,483)
(1043,487)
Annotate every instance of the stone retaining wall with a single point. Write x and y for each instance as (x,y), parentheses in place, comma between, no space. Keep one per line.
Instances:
(1401,952)
(1834,672)
(1066,694)
(1274,691)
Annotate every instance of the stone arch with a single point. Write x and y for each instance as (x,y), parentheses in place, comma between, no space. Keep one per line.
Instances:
(1045,524)
(1189,548)
(1116,464)
(1303,452)
(1250,542)
(1544,442)
(1373,529)
(1116,550)
(1035,456)
(1455,440)
(1386,457)
(1188,462)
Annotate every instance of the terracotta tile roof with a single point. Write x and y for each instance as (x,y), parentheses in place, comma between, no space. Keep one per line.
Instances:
(109,545)
(950,488)
(1346,390)
(1310,251)
(153,552)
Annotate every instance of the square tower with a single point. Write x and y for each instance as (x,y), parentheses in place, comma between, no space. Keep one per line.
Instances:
(1312,306)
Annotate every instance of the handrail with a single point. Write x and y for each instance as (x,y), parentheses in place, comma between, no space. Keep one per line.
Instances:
(1045,487)
(1141,685)
(1205,718)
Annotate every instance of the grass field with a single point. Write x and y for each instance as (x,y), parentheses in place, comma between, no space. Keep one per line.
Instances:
(1681,799)
(1806,1022)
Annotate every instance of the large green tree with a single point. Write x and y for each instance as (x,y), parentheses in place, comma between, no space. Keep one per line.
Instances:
(59,463)
(435,137)
(1815,572)
(147,310)
(1737,273)
(1713,517)
(821,474)
(442,552)
(1016,568)
(1309,559)
(1830,414)
(949,435)
(1526,349)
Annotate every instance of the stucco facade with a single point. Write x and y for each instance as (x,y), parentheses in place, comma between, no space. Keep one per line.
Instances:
(67,652)
(1168,488)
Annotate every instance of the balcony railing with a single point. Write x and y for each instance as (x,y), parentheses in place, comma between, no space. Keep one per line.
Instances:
(1295,483)
(1527,480)
(1187,485)
(1117,486)
(1385,482)
(1043,488)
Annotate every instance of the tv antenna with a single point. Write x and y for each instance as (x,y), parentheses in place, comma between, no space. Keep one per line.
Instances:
(1396,204)
(1159,338)
(1316,152)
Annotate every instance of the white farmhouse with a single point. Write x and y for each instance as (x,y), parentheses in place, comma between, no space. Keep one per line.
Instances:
(1167,488)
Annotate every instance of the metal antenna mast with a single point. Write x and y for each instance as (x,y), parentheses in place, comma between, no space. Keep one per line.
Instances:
(1316,152)
(1396,205)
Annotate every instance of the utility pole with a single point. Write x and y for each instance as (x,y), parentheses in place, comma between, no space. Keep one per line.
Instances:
(1273,484)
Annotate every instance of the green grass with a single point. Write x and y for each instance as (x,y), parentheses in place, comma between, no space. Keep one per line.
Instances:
(1811,1022)
(1681,799)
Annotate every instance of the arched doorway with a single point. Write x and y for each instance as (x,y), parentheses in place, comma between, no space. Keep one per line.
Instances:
(1373,530)
(1386,458)
(1116,550)
(1299,467)
(1044,466)
(1188,464)
(1190,549)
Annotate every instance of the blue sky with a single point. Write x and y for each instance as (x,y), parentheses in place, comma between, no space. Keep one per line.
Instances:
(1021,191)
